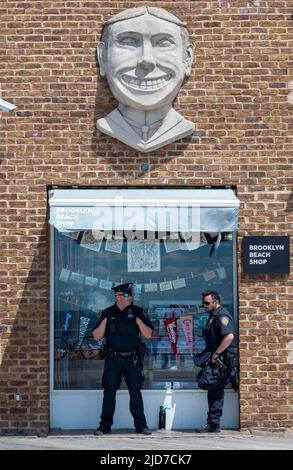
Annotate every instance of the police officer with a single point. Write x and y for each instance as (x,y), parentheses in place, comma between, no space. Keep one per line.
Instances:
(123,324)
(219,335)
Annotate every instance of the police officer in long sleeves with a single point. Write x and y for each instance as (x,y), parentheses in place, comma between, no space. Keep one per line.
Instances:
(219,335)
(123,324)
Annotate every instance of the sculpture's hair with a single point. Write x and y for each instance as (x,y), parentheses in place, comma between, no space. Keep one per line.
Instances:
(140,11)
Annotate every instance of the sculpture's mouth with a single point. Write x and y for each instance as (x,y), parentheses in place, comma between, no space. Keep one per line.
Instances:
(146,83)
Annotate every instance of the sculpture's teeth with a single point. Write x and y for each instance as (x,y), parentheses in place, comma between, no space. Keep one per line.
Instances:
(146,84)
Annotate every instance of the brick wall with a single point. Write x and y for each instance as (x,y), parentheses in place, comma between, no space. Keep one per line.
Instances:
(239,97)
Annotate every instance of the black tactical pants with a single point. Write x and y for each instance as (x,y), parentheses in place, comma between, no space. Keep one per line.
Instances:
(216,404)
(115,368)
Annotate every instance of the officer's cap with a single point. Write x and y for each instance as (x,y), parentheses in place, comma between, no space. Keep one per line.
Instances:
(124,288)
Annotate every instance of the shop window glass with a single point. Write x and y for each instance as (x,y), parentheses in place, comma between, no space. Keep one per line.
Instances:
(169,277)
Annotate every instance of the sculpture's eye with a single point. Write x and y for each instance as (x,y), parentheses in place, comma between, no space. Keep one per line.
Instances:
(129,41)
(163,42)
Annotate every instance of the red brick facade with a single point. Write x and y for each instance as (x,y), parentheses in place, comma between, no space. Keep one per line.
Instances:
(238,96)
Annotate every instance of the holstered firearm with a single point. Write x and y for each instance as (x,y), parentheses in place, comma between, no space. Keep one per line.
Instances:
(141,350)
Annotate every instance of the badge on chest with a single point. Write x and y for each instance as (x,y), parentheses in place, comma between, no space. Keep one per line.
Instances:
(130,313)
(211,321)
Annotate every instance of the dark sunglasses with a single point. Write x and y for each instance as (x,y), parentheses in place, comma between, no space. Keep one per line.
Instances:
(124,294)
(207,303)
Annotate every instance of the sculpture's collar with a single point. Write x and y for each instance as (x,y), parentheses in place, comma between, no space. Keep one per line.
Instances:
(174,127)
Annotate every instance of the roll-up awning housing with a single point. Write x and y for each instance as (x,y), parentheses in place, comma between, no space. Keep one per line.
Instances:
(159,210)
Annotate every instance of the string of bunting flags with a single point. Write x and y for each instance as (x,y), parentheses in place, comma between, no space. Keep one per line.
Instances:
(77,278)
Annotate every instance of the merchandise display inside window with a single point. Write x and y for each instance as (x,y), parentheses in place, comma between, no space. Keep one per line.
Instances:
(169,276)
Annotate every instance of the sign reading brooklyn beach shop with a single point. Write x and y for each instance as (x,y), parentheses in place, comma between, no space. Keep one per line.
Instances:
(266,255)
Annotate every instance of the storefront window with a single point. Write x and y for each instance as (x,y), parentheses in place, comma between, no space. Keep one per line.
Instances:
(169,277)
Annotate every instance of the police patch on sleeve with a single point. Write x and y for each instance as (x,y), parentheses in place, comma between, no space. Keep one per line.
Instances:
(225,321)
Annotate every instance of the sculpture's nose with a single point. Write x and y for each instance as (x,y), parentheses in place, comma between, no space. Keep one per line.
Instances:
(146,60)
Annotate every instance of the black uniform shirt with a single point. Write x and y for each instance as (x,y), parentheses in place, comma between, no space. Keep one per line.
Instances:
(122,332)
(220,323)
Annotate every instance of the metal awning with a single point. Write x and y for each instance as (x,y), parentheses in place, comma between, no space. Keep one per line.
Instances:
(159,210)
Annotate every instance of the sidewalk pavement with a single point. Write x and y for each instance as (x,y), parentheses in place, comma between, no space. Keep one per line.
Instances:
(159,440)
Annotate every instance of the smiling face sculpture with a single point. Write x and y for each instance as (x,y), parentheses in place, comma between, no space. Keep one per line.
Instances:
(145,57)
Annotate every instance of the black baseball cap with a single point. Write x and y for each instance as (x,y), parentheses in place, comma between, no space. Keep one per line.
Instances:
(123,288)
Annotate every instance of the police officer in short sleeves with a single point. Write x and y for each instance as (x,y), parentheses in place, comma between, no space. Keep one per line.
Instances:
(219,335)
(123,324)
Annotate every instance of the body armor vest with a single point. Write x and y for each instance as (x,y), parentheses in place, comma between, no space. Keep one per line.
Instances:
(122,333)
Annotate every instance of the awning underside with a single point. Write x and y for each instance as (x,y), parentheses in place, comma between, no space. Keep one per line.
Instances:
(156,210)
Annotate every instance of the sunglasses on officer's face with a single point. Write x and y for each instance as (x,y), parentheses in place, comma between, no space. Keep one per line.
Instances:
(123,294)
(207,303)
